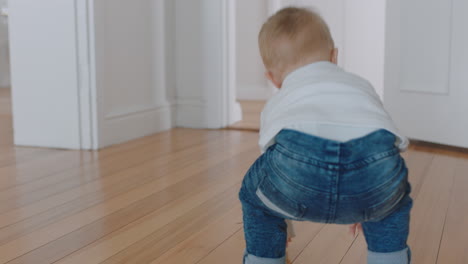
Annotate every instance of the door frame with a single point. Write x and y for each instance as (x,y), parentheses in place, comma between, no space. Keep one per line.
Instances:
(87,90)
(224,109)
(77,108)
(349,53)
(232,111)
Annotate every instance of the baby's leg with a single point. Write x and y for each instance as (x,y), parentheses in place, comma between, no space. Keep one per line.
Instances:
(265,236)
(386,239)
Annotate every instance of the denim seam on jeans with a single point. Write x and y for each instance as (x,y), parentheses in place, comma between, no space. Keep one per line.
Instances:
(269,204)
(400,200)
(374,190)
(330,166)
(319,193)
(286,179)
(297,206)
(371,159)
(334,182)
(321,164)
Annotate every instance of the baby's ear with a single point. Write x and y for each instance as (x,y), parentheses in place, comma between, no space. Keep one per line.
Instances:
(271,77)
(334,56)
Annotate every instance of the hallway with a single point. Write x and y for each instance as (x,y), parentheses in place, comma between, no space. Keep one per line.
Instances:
(172,198)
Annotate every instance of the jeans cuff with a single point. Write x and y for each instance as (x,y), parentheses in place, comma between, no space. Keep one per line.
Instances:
(251,259)
(397,257)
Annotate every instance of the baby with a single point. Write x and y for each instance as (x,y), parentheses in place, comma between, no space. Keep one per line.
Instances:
(331,153)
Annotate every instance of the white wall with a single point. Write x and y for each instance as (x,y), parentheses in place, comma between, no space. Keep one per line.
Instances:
(205,68)
(4,52)
(189,61)
(364,36)
(44,73)
(170,70)
(251,81)
(132,62)
(90,79)
(148,55)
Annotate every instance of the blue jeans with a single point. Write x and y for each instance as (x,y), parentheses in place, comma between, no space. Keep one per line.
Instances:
(307,178)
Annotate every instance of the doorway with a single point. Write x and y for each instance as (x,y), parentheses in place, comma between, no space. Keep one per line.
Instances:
(252,88)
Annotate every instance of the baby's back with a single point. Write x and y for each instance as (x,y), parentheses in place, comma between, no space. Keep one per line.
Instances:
(323,100)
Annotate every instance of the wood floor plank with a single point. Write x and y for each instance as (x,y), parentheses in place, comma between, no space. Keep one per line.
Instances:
(357,253)
(110,245)
(329,246)
(101,156)
(131,211)
(453,248)
(179,159)
(305,233)
(141,175)
(429,211)
(229,252)
(418,163)
(37,189)
(40,220)
(171,172)
(15,155)
(203,242)
(54,164)
(41,166)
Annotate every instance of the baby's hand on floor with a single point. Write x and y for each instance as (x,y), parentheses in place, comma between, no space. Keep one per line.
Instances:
(355,228)
(288,261)
(288,241)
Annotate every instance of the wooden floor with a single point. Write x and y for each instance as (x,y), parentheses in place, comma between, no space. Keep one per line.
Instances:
(172,198)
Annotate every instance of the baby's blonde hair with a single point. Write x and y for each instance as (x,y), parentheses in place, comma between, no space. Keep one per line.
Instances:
(293,35)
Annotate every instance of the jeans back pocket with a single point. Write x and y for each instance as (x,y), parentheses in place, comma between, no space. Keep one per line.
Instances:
(275,199)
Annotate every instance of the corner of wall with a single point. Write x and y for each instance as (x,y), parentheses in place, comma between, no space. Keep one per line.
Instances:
(204,74)
(152,109)
(170,61)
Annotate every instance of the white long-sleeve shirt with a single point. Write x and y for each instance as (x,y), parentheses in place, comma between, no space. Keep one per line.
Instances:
(323,100)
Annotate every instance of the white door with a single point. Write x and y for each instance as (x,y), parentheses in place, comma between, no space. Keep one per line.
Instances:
(426,80)
(44,68)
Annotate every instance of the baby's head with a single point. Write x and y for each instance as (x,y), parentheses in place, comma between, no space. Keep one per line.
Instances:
(292,38)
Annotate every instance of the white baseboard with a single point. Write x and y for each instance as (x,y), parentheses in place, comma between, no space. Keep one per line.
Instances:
(127,126)
(236,113)
(190,113)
